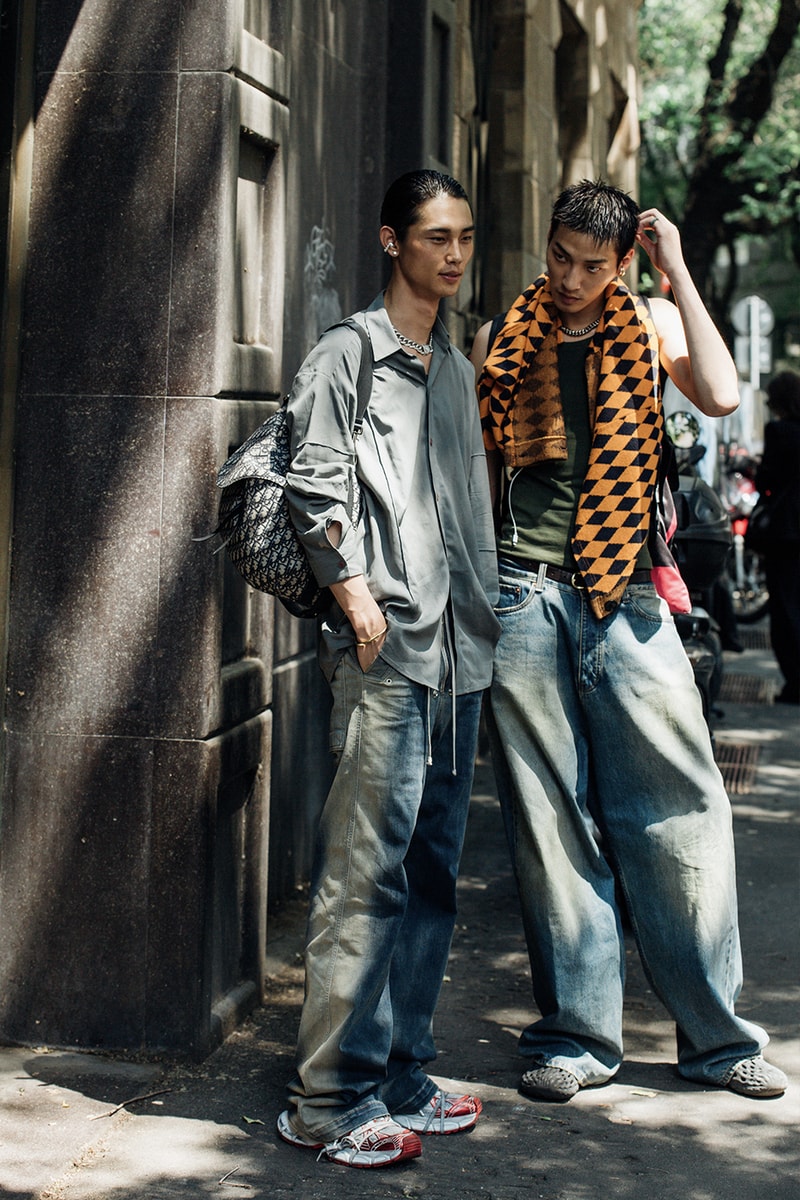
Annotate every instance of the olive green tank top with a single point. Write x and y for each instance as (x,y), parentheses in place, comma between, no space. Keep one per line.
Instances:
(541,501)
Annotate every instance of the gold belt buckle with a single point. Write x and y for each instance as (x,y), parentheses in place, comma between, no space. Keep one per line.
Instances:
(577,582)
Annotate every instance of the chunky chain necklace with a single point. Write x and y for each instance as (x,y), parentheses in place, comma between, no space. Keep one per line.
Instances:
(420,347)
(580,332)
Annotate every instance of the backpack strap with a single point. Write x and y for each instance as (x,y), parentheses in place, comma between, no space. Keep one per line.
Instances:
(363,395)
(365,370)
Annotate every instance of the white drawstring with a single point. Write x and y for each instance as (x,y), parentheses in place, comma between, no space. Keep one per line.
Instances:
(450,657)
(455,761)
(429,759)
(514,533)
(451,660)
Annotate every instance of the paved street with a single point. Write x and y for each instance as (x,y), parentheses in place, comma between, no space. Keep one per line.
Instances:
(207,1130)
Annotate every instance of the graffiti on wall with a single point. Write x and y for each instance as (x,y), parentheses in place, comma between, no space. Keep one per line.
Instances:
(322,305)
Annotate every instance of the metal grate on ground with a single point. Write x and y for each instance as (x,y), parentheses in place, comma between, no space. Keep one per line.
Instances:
(737,762)
(754,638)
(746,689)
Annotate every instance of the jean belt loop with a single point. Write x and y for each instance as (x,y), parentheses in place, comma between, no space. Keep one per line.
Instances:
(541,575)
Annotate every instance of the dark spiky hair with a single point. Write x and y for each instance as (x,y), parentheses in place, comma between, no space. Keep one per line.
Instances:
(603,212)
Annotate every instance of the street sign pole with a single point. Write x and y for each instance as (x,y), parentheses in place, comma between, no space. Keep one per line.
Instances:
(754,321)
(753,307)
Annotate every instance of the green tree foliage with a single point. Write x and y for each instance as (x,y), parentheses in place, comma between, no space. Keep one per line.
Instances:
(720,121)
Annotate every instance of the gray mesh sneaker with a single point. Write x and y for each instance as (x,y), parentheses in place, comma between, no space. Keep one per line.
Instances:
(549,1083)
(757,1078)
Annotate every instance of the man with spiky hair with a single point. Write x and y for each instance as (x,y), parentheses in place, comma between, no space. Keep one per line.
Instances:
(594,716)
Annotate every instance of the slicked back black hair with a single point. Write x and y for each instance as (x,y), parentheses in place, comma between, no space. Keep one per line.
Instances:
(406,196)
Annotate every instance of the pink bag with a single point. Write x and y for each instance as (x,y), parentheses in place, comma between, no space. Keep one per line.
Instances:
(664,573)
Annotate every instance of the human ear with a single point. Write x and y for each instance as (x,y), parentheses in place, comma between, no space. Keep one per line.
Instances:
(388,241)
(626,261)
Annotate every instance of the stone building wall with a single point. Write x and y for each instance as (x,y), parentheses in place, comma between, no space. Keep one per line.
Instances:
(562,107)
(193,196)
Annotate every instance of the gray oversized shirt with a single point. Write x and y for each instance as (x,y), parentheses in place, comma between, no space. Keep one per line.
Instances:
(425,536)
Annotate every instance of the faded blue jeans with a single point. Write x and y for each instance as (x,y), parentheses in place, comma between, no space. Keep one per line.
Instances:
(602,720)
(383,897)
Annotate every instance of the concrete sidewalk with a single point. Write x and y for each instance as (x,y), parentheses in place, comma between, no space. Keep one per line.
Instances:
(208,1129)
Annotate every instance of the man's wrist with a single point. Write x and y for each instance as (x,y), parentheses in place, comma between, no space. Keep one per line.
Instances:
(368,641)
(356,602)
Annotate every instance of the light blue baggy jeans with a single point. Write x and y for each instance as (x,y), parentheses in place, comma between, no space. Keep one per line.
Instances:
(602,719)
(383,897)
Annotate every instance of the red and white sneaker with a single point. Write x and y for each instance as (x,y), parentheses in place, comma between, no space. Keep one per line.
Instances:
(377,1143)
(445,1112)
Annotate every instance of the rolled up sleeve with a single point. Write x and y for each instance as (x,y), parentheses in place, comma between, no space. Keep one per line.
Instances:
(321,409)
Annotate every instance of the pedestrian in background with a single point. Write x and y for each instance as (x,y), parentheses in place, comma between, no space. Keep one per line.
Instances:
(778,476)
(593,710)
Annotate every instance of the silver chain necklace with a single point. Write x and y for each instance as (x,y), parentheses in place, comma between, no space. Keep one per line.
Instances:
(581,332)
(420,347)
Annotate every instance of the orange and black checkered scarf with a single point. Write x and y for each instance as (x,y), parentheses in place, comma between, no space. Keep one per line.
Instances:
(521,414)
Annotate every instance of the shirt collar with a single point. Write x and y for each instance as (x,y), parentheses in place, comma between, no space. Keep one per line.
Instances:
(383,338)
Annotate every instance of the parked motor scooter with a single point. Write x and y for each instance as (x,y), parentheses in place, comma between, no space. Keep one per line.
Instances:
(701,547)
(748,576)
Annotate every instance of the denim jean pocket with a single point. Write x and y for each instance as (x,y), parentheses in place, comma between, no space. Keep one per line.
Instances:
(347,688)
(514,593)
(646,602)
(380,672)
(342,691)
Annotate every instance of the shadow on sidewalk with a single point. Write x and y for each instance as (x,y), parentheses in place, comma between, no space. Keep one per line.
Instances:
(648,1135)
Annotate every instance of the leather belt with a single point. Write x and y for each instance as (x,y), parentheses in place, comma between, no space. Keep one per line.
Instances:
(562,575)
